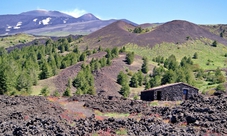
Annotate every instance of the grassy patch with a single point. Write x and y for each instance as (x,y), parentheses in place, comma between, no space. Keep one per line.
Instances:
(154,103)
(204,86)
(112,114)
(16,39)
(165,103)
(206,53)
(122,131)
(43,83)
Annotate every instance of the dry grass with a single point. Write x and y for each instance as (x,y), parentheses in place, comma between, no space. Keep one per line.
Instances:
(44,83)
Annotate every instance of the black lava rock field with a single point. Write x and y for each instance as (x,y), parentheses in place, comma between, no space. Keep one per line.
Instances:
(36,115)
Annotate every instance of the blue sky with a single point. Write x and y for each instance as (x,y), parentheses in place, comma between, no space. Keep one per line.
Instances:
(138,11)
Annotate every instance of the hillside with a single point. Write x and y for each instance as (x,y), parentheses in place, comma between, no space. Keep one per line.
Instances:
(115,34)
(105,79)
(13,40)
(219,30)
(177,31)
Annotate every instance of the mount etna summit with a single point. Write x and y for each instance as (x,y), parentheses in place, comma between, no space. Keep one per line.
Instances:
(43,22)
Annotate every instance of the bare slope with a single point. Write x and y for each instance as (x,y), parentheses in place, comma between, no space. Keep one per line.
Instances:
(177,31)
(105,78)
(115,34)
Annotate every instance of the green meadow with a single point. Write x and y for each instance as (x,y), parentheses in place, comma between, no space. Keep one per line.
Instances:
(209,57)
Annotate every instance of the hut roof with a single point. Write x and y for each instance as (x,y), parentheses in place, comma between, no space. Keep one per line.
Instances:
(168,85)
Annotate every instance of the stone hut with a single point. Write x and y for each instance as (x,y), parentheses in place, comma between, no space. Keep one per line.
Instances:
(169,92)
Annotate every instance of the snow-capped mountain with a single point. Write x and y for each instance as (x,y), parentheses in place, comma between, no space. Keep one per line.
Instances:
(43,21)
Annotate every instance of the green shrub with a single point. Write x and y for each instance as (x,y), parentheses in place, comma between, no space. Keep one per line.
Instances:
(67,92)
(45,92)
(56,94)
(220,87)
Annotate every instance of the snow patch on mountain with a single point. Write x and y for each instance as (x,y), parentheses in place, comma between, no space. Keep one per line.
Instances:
(18,25)
(46,21)
(34,20)
(9,26)
(65,21)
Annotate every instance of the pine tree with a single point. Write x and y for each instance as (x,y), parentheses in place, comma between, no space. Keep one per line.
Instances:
(114,52)
(134,81)
(24,82)
(169,77)
(125,90)
(195,56)
(214,44)
(147,85)
(122,78)
(140,78)
(108,54)
(69,83)
(130,58)
(67,92)
(155,81)
(144,68)
(83,57)
(79,91)
(46,71)
(76,50)
(108,62)
(84,81)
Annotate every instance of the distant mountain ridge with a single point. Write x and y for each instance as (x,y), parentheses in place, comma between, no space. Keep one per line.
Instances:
(45,13)
(41,22)
(178,31)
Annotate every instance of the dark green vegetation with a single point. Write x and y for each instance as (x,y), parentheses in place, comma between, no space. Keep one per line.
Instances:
(21,69)
(130,58)
(139,30)
(202,58)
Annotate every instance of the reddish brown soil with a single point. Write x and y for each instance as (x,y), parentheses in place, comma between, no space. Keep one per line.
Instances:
(117,34)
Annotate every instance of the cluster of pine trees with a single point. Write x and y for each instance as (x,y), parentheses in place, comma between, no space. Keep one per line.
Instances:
(136,80)
(20,69)
(84,81)
(168,71)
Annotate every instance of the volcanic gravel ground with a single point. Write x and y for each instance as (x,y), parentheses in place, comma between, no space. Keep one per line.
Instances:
(35,115)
